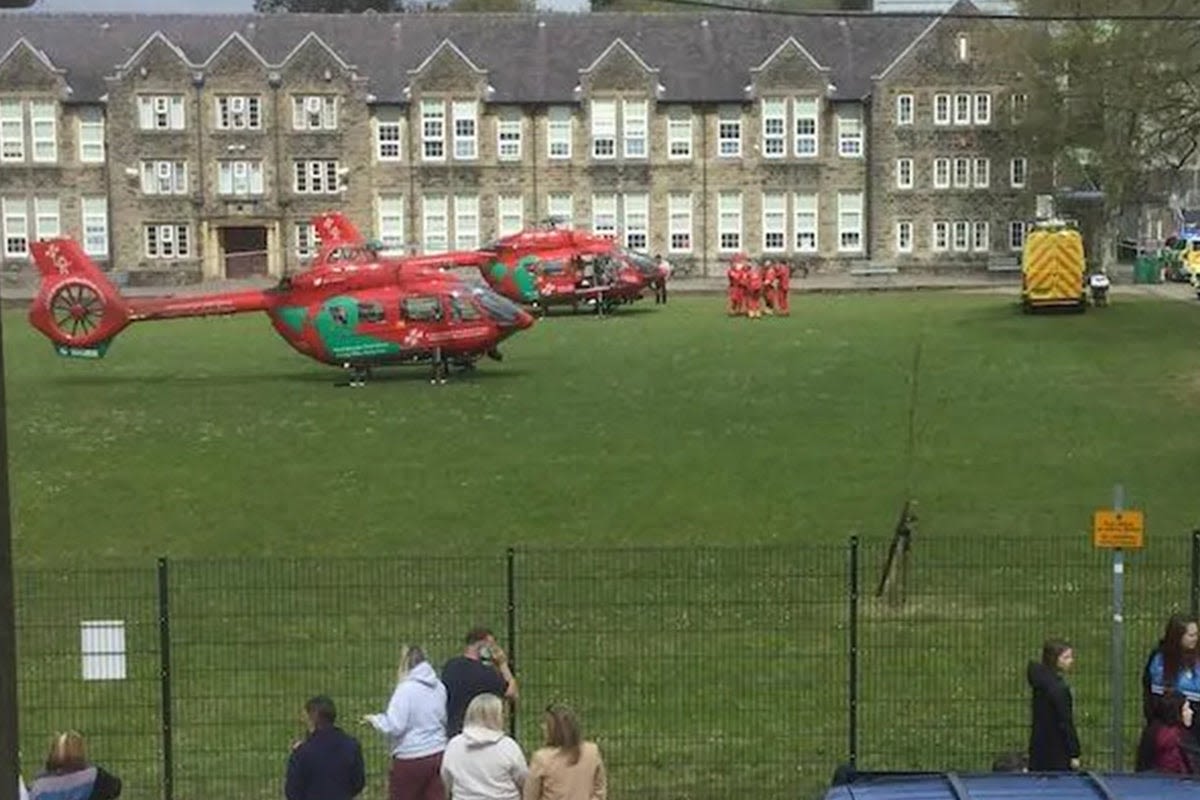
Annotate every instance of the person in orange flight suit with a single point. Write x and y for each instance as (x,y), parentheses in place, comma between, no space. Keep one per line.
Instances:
(734,275)
(770,287)
(783,276)
(754,291)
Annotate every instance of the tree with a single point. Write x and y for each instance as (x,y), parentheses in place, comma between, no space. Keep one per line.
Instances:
(326,6)
(1112,101)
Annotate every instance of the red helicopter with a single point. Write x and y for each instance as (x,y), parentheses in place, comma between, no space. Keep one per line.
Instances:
(550,265)
(350,309)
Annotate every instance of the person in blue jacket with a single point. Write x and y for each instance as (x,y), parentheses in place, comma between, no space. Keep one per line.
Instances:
(328,763)
(1173,666)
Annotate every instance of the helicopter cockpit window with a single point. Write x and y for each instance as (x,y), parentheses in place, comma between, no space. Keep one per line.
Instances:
(421,309)
(556,267)
(463,309)
(370,312)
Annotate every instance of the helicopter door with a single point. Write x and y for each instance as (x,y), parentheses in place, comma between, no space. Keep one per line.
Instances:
(424,317)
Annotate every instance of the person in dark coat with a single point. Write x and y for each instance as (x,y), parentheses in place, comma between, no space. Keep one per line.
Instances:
(1163,747)
(1053,742)
(328,763)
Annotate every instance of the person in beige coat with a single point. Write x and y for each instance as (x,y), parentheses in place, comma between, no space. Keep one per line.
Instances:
(567,768)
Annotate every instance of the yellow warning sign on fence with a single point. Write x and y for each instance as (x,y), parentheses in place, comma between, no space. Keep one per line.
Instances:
(1118,529)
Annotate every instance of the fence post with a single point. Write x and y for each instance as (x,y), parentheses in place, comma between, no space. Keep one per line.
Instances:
(1196,573)
(164,674)
(511,640)
(853,660)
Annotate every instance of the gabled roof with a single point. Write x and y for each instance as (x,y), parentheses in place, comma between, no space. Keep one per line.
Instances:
(618,43)
(157,36)
(38,54)
(958,9)
(236,36)
(452,47)
(528,57)
(790,41)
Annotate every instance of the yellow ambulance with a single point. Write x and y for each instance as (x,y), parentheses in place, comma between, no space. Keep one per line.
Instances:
(1053,267)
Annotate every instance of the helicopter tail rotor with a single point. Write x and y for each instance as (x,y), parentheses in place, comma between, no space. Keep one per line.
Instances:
(77,307)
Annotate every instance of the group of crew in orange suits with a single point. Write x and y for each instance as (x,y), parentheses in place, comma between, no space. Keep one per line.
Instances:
(754,289)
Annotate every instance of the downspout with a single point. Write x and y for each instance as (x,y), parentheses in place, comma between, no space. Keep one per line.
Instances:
(274,81)
(412,174)
(533,145)
(108,193)
(705,155)
(198,195)
(868,155)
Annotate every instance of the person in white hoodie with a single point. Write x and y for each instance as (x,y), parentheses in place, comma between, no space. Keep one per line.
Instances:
(482,762)
(415,726)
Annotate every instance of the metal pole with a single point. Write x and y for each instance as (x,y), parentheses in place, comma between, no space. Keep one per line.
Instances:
(10,768)
(1196,573)
(164,674)
(853,660)
(511,643)
(1118,644)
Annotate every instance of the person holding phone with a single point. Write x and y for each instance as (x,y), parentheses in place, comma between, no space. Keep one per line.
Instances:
(482,668)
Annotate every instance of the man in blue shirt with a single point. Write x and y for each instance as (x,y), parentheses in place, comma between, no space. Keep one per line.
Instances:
(481,669)
(328,763)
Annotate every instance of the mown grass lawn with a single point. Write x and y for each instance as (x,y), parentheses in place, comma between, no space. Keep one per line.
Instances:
(703,671)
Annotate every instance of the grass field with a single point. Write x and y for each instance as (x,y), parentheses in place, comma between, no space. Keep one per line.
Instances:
(702,671)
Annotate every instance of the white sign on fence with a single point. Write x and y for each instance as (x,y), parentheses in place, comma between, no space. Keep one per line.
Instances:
(103,647)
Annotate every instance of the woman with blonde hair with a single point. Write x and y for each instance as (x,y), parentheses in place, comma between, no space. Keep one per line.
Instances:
(567,768)
(482,762)
(415,726)
(69,776)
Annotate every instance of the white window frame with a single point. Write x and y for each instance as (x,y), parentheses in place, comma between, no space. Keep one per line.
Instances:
(635,126)
(161,112)
(635,221)
(12,131)
(94,222)
(962,173)
(983,108)
(435,223)
(466,222)
(849,211)
(15,213)
(729,222)
(806,218)
(306,240)
(389,138)
(981,236)
(774,222)
(465,119)
(389,218)
(604,129)
(510,213)
(1017,230)
(774,127)
(679,136)
(962,47)
(314,112)
(604,215)
(156,237)
(509,132)
(940,237)
(850,136)
(942,172)
(316,176)
(679,215)
(904,236)
(1018,165)
(729,132)
(240,178)
(433,130)
(961,237)
(806,127)
(905,174)
(1018,106)
(236,112)
(560,130)
(47,222)
(562,206)
(906,109)
(981,173)
(91,136)
(43,131)
(157,174)
(942,108)
(962,109)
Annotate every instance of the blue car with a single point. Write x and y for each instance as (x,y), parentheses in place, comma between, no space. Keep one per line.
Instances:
(1015,786)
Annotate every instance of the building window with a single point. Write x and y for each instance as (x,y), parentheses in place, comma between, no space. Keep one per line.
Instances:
(962,173)
(904,173)
(558,132)
(980,237)
(807,110)
(904,236)
(679,136)
(45,218)
(391,222)
(1016,235)
(316,177)
(1019,104)
(91,136)
(941,173)
(466,129)
(433,130)
(604,129)
(95,226)
(774,127)
(729,132)
(1018,173)
(634,118)
(604,215)
(962,231)
(561,206)
(962,47)
(729,222)
(314,112)
(435,227)
(161,112)
(16,228)
(983,173)
(164,177)
(774,222)
(941,236)
(12,131)
(679,209)
(983,109)
(637,221)
(388,138)
(239,113)
(43,123)
(306,240)
(466,222)
(805,210)
(850,136)
(508,139)
(850,221)
(240,178)
(962,109)
(167,241)
(904,109)
(510,212)
(941,109)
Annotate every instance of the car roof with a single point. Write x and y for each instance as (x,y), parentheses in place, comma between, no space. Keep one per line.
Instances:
(1016,786)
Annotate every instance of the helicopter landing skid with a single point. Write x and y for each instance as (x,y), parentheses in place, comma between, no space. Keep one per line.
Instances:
(358,376)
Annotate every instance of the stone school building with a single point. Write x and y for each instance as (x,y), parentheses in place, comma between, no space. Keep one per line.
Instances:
(181,147)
